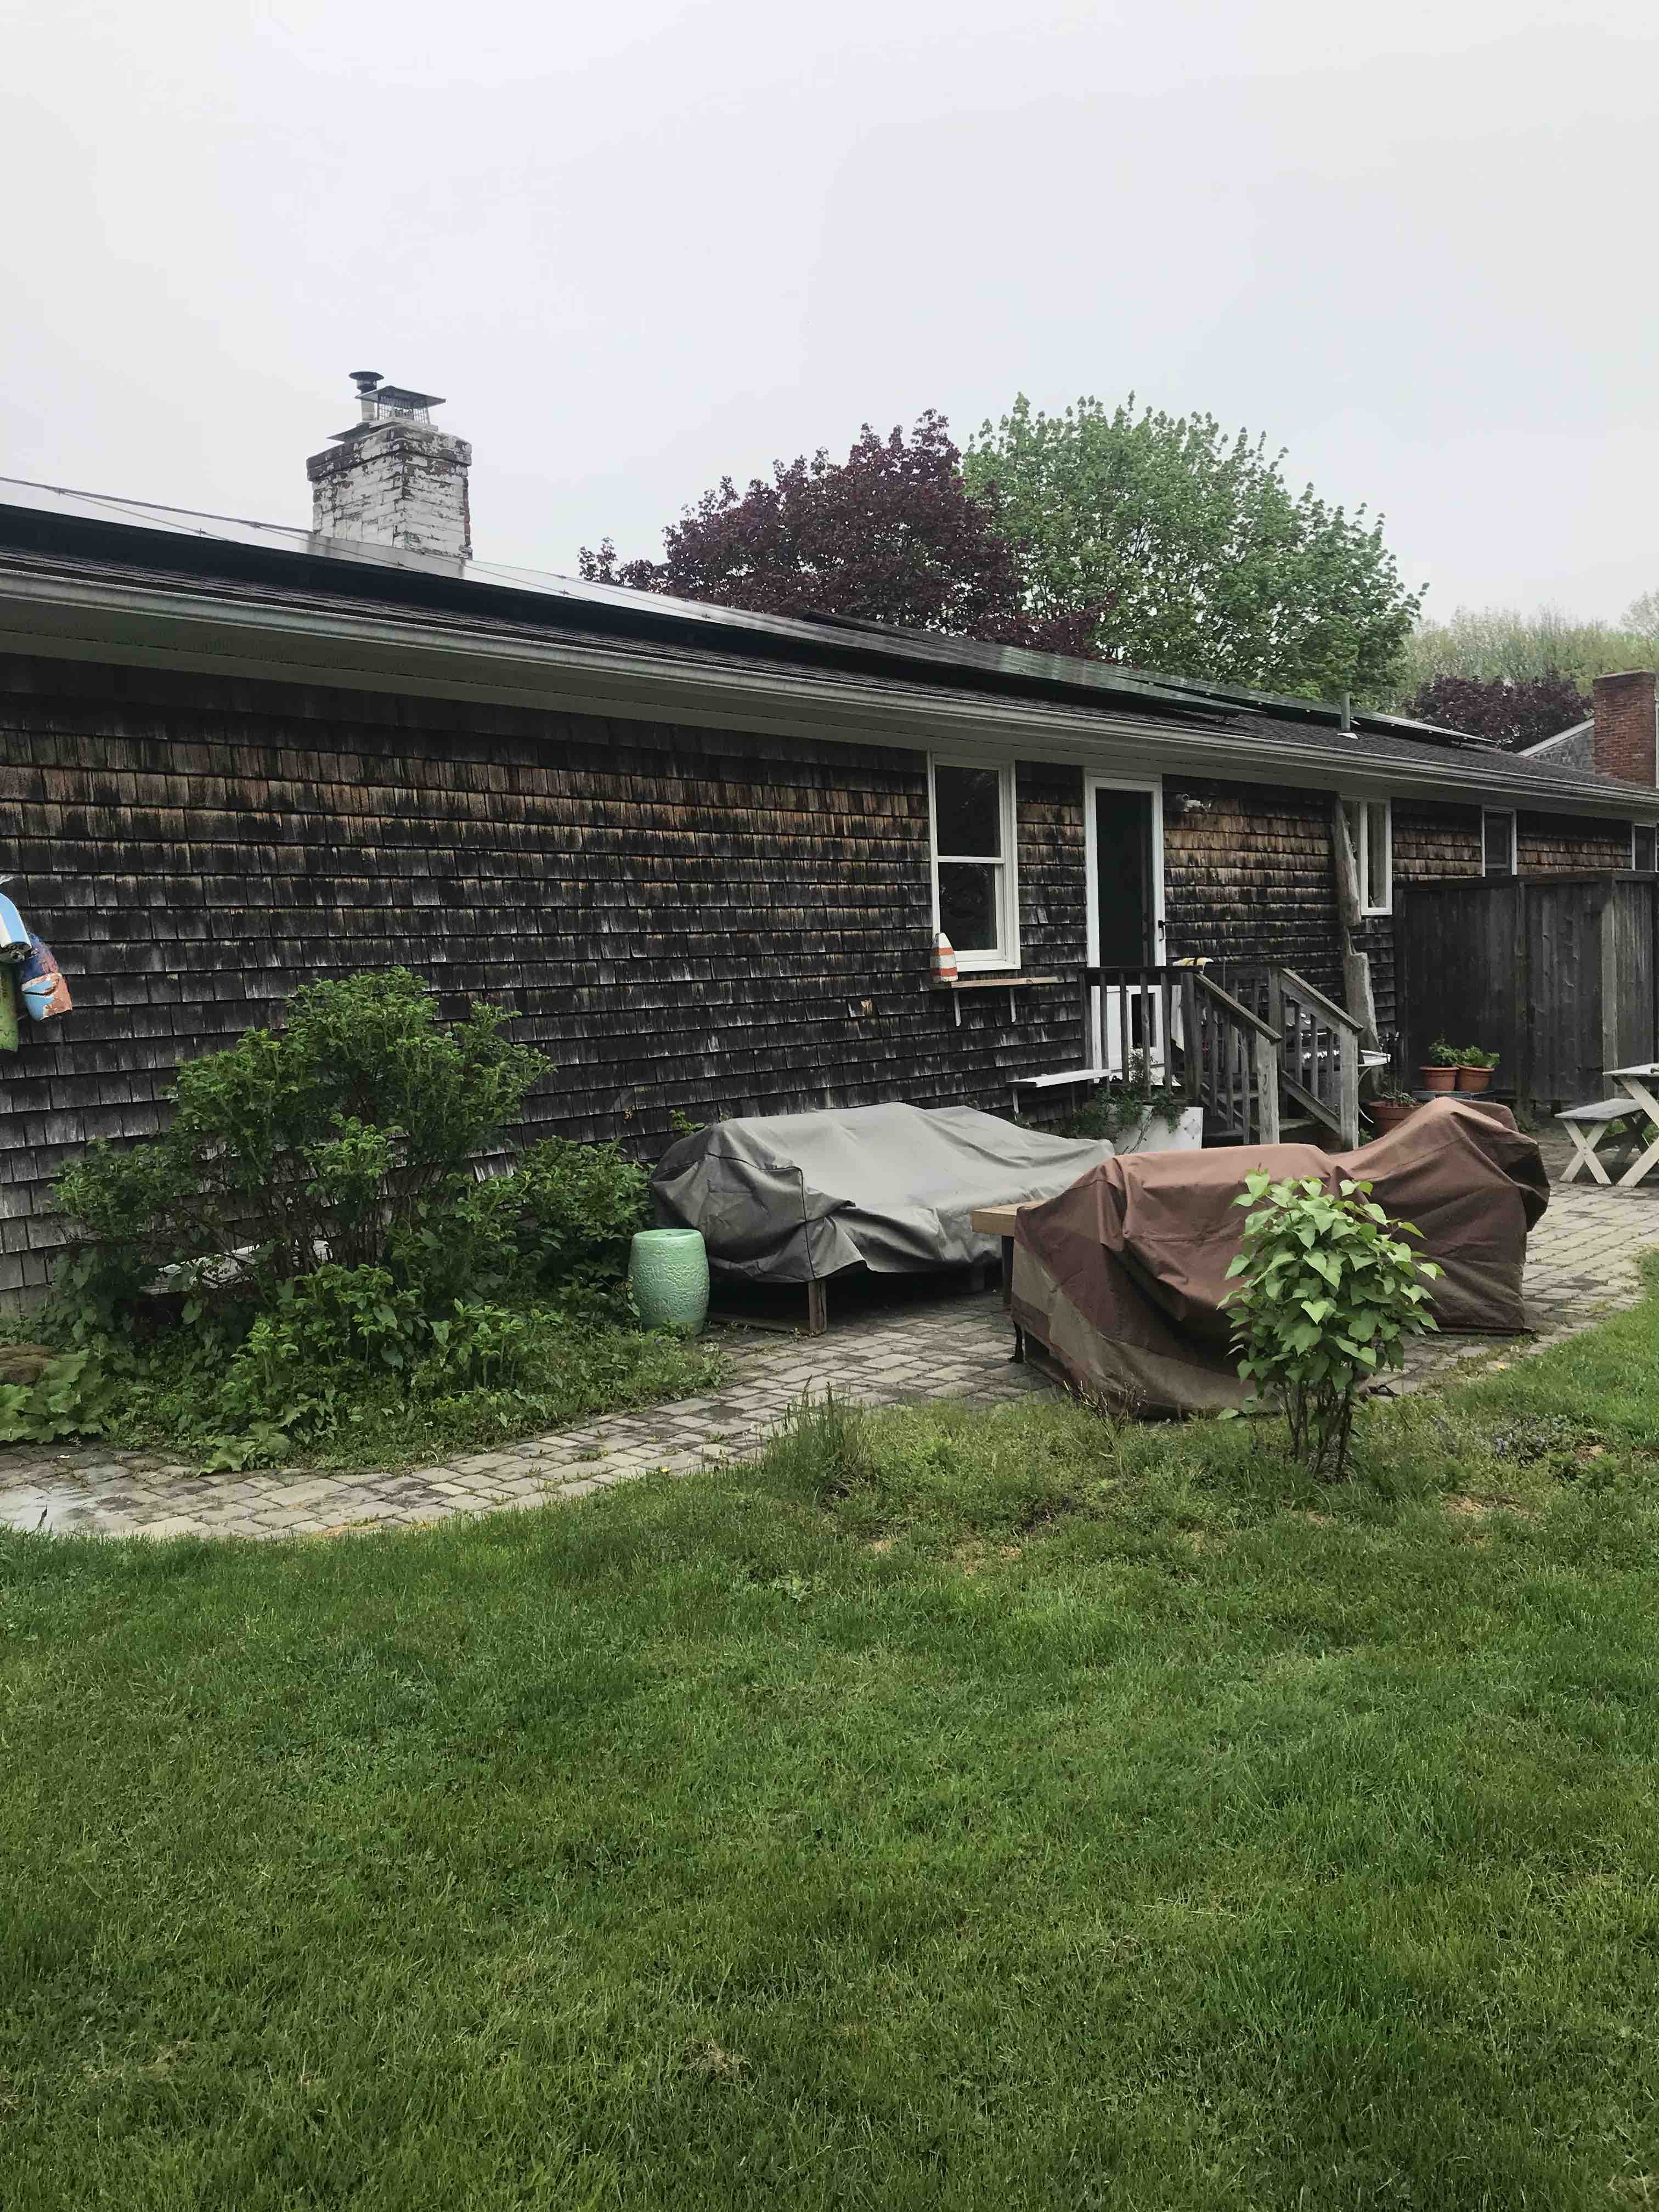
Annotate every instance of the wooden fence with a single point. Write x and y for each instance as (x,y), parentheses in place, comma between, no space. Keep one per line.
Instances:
(1557,973)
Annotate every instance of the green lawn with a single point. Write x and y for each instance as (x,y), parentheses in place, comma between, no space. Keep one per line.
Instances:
(970,1811)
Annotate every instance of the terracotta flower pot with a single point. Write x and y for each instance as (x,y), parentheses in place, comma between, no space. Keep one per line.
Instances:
(1474,1078)
(1438,1078)
(1389,1113)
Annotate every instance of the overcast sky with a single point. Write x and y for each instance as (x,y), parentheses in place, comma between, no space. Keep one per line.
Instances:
(643,246)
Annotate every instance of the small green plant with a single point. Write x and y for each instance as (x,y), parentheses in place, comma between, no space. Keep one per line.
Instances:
(73,1395)
(1328,1293)
(1473,1057)
(1388,1090)
(1127,1103)
(1442,1054)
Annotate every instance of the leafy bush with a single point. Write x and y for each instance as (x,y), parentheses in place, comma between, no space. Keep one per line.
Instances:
(579,1206)
(74,1395)
(1119,1107)
(1328,1293)
(327,1247)
(327,1137)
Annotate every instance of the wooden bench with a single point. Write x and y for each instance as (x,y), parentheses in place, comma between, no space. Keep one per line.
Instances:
(1587,1125)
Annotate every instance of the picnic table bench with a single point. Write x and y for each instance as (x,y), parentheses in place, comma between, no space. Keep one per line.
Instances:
(1589,1126)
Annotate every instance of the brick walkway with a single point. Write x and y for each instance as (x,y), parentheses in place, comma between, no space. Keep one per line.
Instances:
(1581,1266)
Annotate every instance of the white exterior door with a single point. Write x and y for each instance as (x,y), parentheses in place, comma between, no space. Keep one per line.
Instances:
(1124,859)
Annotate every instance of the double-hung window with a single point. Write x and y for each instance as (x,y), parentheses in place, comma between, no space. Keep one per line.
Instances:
(1497,843)
(975,895)
(1370,832)
(1644,846)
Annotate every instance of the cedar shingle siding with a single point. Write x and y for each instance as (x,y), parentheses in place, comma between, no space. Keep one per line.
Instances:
(684,918)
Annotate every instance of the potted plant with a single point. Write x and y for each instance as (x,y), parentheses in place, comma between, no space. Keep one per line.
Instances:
(1439,1070)
(1390,1105)
(1475,1068)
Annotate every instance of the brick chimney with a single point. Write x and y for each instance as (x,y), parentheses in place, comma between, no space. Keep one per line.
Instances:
(1626,709)
(393,478)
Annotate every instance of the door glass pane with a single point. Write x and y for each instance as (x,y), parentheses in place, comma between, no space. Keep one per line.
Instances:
(1123,867)
(1376,854)
(1497,843)
(967,802)
(969,903)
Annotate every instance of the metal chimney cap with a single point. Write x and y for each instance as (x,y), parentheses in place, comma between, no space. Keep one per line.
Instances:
(365,378)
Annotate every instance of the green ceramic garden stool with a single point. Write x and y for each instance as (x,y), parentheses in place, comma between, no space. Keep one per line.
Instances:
(668,1274)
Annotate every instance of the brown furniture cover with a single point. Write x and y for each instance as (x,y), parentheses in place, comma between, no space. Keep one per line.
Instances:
(1121,1277)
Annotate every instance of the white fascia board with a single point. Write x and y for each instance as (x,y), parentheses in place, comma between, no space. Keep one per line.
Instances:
(237,632)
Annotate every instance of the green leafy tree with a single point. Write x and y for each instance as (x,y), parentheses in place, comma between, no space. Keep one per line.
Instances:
(1203,560)
(1642,620)
(1501,645)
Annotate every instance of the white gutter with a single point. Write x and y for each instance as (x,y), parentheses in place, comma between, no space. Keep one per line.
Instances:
(234,631)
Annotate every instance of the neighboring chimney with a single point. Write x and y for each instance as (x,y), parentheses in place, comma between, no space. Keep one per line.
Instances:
(393,479)
(1626,712)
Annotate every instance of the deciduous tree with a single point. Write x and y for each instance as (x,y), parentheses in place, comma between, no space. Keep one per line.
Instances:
(890,535)
(1204,561)
(1512,715)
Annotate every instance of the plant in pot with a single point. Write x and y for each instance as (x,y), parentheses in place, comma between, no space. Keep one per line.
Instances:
(1475,1068)
(1439,1070)
(1389,1102)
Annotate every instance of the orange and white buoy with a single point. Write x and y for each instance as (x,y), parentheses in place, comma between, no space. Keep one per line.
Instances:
(945,959)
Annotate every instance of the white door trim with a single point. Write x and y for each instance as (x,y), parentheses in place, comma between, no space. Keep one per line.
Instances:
(1101,1045)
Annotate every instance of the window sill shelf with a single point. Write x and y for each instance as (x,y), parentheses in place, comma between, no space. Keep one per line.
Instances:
(1008,983)
(993,982)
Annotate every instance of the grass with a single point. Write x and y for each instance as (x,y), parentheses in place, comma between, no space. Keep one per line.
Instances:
(949,1810)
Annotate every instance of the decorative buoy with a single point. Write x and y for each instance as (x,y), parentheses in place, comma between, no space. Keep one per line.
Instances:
(945,959)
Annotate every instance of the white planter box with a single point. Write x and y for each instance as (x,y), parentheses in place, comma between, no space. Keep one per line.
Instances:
(1152,1134)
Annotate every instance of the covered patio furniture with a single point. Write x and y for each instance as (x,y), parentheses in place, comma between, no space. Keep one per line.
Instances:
(796,1198)
(1120,1280)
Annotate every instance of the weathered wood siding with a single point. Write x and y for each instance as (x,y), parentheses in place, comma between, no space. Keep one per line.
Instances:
(1555,974)
(1248,877)
(1555,845)
(683,919)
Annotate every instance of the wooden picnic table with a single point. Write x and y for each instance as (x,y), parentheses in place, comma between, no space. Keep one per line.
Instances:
(1589,1125)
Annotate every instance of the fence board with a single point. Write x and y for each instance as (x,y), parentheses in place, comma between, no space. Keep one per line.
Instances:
(1556,974)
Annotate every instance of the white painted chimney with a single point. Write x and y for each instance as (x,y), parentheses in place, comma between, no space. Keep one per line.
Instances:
(393,478)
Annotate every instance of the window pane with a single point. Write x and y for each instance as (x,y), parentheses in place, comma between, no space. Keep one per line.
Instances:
(1376,854)
(1497,843)
(969,804)
(1644,855)
(969,900)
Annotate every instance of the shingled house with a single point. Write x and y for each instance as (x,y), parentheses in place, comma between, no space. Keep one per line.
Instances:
(704,855)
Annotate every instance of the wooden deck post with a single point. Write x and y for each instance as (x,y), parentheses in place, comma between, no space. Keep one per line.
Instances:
(1266,1051)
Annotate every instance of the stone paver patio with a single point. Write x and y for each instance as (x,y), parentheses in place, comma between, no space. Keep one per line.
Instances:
(1581,1266)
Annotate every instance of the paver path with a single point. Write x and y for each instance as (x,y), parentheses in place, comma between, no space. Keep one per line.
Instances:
(1582,1264)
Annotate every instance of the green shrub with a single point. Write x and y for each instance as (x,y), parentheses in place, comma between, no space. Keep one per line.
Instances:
(326,1138)
(579,1206)
(1328,1293)
(1119,1107)
(74,1396)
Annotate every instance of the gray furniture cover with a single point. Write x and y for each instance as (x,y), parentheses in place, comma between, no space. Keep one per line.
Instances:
(791,1198)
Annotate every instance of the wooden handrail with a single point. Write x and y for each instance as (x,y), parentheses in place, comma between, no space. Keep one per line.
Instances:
(1317,998)
(1225,998)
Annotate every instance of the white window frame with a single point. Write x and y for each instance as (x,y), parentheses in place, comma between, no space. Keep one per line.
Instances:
(1510,815)
(1653,831)
(1362,807)
(1005,954)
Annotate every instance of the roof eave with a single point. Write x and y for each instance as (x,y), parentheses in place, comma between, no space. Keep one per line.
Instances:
(72,612)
